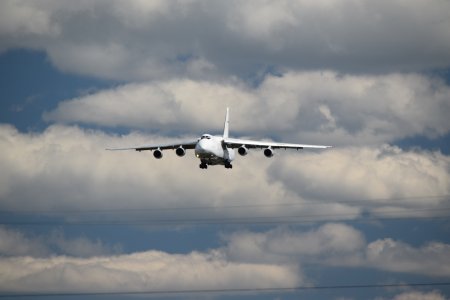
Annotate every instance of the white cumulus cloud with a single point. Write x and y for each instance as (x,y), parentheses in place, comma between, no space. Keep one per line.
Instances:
(246,260)
(430,259)
(335,244)
(385,175)
(67,168)
(284,245)
(142,271)
(307,107)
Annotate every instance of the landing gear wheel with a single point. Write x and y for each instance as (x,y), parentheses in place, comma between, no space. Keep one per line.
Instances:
(203,166)
(228,166)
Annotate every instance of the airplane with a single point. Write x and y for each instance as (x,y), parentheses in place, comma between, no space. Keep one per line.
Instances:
(219,150)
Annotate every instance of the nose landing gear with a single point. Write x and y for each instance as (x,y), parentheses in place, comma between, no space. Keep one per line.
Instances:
(203,165)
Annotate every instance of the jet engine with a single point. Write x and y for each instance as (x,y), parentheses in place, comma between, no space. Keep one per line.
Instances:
(158,153)
(242,151)
(180,151)
(268,152)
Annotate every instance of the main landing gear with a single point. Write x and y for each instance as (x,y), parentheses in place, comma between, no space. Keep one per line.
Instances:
(204,165)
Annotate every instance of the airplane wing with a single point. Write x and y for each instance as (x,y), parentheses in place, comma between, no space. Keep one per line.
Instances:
(185,145)
(236,143)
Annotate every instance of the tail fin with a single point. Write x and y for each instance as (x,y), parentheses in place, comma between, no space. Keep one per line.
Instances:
(226,125)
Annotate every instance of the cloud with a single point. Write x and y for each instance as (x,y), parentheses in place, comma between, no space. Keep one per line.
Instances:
(142,271)
(20,19)
(312,107)
(54,263)
(284,245)
(80,246)
(161,39)
(67,169)
(430,259)
(416,295)
(15,243)
(338,245)
(246,260)
(385,176)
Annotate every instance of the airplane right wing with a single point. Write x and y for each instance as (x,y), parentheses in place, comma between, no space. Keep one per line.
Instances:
(236,143)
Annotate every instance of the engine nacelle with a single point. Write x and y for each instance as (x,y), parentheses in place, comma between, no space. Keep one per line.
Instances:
(242,151)
(180,151)
(158,154)
(268,152)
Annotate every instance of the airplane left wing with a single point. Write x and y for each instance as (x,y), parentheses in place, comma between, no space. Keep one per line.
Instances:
(236,143)
(185,145)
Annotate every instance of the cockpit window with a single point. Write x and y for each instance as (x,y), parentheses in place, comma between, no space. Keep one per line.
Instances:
(206,136)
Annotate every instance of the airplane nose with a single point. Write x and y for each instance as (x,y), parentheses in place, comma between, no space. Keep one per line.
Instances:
(200,148)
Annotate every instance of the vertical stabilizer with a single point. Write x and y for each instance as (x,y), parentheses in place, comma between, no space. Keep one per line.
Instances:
(226,125)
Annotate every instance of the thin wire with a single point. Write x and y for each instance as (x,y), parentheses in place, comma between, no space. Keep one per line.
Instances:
(230,221)
(305,202)
(255,220)
(231,290)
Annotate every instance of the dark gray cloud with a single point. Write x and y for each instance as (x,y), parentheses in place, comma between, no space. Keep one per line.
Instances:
(203,39)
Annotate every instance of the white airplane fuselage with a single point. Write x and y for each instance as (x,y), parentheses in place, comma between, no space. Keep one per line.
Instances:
(212,151)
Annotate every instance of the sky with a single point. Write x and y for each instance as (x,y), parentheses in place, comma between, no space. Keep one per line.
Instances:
(370,78)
